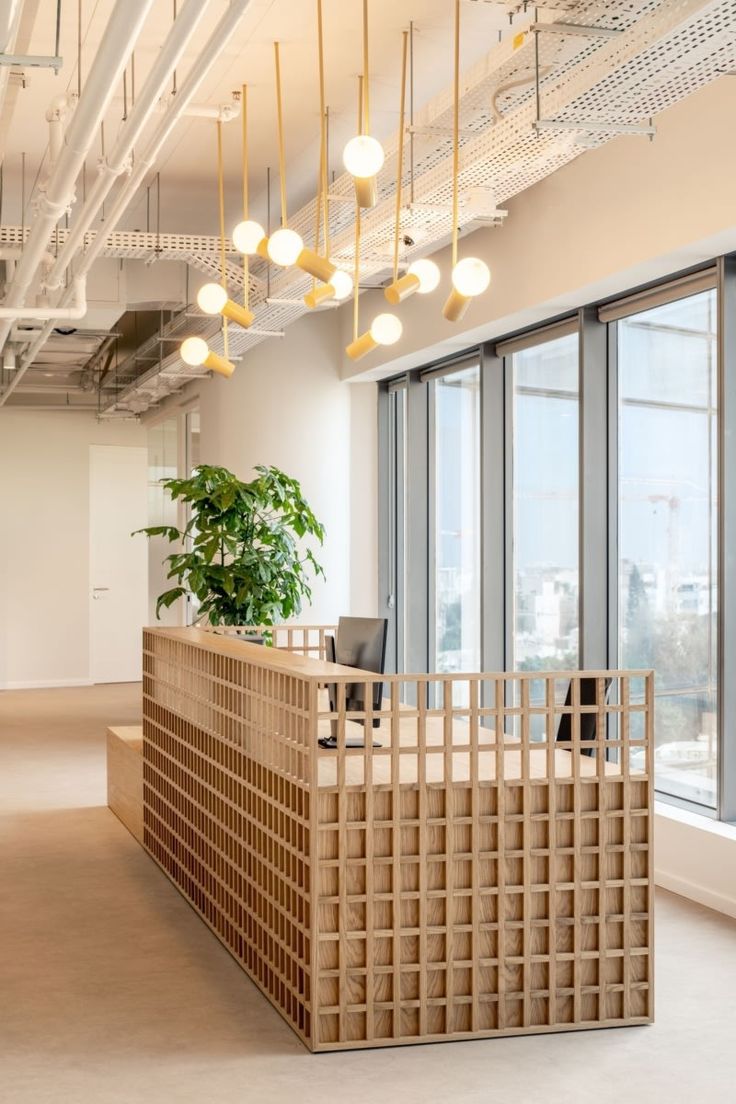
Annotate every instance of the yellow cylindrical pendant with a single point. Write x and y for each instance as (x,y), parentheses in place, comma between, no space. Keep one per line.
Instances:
(316,266)
(262,249)
(319,295)
(455,306)
(402,289)
(238,313)
(362,345)
(217,363)
(366,192)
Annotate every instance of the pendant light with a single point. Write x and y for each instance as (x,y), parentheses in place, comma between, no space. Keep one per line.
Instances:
(422,275)
(249,237)
(196,351)
(286,247)
(213,298)
(386,329)
(363,156)
(470,276)
(340,283)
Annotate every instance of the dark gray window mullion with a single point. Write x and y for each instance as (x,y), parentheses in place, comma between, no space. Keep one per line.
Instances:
(387,491)
(593,527)
(493,530)
(727,538)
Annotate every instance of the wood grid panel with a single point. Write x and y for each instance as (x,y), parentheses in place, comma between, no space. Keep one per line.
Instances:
(468,877)
(454,900)
(227,808)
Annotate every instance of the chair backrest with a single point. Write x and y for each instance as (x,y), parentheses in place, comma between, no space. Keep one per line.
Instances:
(587,720)
(360,642)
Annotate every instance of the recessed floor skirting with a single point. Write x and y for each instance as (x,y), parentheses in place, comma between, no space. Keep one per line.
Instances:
(114,992)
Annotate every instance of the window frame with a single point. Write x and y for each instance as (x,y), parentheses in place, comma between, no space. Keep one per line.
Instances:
(599,519)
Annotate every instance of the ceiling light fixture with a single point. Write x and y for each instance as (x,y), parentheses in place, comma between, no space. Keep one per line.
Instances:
(471,276)
(213,298)
(385,329)
(286,247)
(428,274)
(249,237)
(321,293)
(399,289)
(363,156)
(195,351)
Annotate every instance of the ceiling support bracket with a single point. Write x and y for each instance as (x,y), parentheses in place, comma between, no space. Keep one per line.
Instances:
(575,29)
(33,61)
(595,126)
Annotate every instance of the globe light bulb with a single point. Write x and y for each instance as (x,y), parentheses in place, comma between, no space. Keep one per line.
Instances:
(284,246)
(211,298)
(363,156)
(471,277)
(342,283)
(386,329)
(427,273)
(194,350)
(247,236)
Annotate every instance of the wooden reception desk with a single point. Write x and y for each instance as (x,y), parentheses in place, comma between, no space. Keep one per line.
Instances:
(467,878)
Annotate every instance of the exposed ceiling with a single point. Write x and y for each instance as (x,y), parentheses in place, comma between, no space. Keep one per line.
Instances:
(644,56)
(187,164)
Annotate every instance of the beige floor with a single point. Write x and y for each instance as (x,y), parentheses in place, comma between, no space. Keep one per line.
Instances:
(111,989)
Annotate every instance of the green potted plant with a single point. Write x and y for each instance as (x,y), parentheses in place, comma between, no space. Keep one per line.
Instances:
(242,553)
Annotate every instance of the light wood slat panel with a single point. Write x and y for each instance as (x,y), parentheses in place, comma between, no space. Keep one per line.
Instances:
(468,877)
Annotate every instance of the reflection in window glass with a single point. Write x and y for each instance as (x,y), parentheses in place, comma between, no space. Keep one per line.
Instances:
(457,521)
(545,506)
(668,531)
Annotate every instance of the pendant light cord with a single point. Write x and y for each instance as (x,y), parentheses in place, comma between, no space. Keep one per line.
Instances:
(400,154)
(356,267)
(246,201)
(221,201)
(365,126)
(280,126)
(456,134)
(322,192)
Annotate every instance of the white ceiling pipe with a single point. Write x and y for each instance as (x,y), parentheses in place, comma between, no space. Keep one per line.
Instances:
(211,51)
(10,16)
(55,114)
(214,46)
(55,314)
(118,161)
(111,57)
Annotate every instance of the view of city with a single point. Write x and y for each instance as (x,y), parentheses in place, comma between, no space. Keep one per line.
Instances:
(667,547)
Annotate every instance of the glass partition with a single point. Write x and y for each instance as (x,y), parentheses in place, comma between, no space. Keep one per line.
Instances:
(668,541)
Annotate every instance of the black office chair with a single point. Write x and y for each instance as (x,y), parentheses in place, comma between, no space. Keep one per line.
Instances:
(360,642)
(587,720)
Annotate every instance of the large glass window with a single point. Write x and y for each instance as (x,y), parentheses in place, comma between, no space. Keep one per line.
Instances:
(457,583)
(668,505)
(545,506)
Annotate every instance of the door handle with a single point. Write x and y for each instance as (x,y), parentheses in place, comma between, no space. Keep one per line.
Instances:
(96,591)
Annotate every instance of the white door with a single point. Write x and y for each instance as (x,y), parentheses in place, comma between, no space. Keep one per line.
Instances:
(118,504)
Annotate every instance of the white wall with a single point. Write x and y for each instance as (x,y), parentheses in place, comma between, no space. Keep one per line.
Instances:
(287,406)
(695,857)
(44,543)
